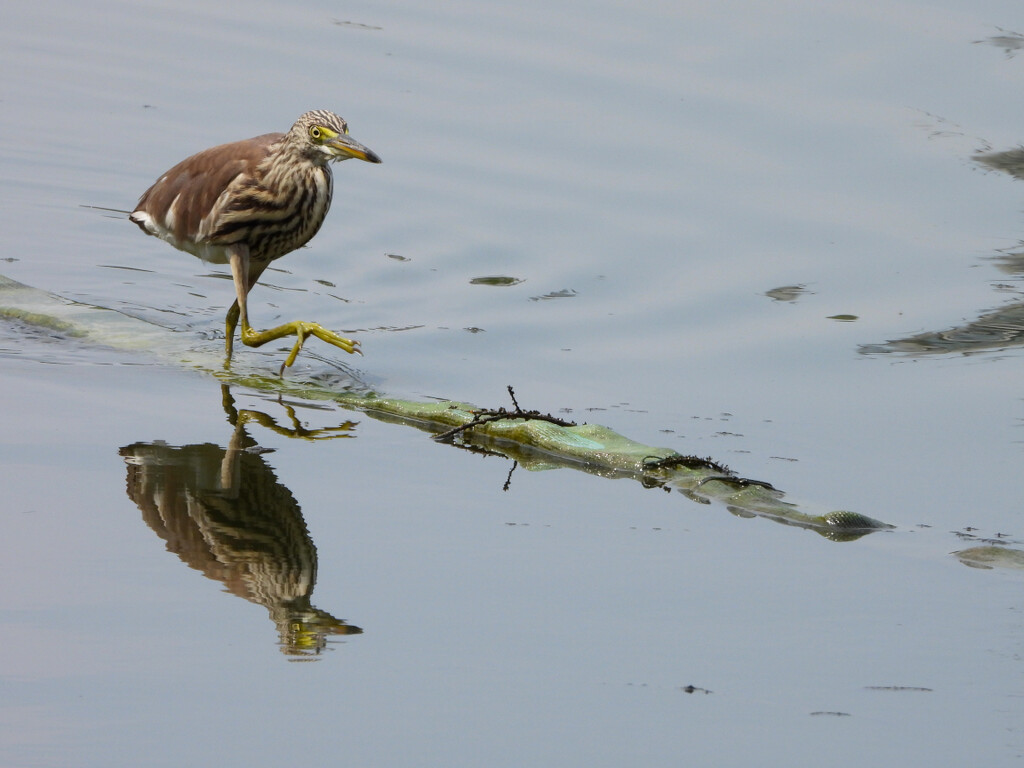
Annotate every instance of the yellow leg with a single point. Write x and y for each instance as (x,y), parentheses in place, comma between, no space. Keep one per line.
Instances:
(245,275)
(229,330)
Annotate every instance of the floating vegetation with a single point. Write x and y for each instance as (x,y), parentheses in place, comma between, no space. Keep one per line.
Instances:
(501,281)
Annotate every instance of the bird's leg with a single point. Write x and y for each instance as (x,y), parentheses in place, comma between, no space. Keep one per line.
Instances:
(245,275)
(241,274)
(238,258)
(231,324)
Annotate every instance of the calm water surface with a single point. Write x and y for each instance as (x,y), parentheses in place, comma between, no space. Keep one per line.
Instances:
(757,232)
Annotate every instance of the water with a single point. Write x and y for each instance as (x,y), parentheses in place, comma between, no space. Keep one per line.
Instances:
(646,176)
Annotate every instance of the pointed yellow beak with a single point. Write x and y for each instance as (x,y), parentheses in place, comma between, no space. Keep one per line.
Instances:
(344,146)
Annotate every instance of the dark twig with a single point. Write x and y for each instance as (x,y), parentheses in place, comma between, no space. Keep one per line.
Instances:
(478,450)
(512,394)
(508,480)
(737,482)
(689,462)
(723,473)
(486,416)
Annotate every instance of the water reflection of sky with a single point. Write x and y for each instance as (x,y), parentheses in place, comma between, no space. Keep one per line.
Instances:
(646,179)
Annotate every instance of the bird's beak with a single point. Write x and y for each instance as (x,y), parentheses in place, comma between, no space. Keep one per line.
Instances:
(343,147)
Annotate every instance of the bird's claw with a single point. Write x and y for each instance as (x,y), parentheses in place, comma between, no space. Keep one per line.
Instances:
(301,330)
(304,329)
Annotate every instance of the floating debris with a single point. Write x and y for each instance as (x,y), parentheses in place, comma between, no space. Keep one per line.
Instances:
(500,281)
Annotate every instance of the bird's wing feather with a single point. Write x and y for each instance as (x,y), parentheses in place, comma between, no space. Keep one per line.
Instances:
(178,201)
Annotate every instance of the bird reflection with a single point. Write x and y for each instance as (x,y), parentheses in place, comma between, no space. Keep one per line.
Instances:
(224,513)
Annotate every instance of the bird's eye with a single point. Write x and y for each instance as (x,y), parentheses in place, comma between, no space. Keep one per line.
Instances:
(314,132)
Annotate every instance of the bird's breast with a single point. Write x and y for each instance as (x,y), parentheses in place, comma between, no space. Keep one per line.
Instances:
(272,218)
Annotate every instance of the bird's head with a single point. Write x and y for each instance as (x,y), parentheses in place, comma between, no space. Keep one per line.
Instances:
(324,137)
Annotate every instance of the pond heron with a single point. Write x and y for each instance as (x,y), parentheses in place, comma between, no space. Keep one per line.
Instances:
(250,202)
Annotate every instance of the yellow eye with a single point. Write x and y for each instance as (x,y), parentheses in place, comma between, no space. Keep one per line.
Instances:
(314,132)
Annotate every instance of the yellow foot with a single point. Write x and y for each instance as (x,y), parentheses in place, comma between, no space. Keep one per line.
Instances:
(301,330)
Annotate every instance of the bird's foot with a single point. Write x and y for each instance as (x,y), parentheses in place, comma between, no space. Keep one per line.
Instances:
(301,330)
(304,329)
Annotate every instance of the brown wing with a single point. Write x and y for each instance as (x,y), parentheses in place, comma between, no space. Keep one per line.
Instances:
(198,181)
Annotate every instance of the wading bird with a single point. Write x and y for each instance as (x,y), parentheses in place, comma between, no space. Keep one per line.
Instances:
(250,202)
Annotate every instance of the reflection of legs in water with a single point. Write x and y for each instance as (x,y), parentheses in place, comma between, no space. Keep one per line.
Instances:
(242,417)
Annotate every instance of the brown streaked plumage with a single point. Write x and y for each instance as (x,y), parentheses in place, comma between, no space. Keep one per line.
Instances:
(250,202)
